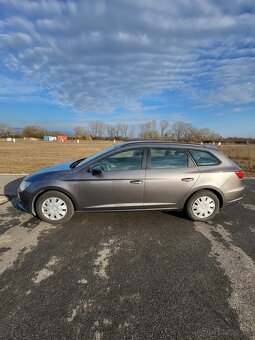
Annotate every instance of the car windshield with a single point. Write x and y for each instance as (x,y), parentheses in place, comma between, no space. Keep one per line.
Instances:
(98,154)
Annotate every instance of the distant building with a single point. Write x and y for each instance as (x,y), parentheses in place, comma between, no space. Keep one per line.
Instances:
(62,138)
(49,138)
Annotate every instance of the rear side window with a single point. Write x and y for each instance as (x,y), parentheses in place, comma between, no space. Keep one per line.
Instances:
(166,158)
(204,157)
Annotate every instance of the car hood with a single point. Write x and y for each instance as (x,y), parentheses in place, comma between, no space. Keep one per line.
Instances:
(50,170)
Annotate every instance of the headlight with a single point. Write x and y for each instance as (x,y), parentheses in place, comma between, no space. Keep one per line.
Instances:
(24,185)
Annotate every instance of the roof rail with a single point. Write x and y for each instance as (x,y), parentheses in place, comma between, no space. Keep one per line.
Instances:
(159,142)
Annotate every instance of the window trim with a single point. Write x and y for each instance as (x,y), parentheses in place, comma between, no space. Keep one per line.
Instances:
(148,163)
(207,151)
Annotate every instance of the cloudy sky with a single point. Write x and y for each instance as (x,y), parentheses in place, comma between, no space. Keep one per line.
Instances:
(63,63)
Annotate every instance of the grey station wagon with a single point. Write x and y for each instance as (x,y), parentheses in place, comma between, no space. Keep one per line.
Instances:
(139,175)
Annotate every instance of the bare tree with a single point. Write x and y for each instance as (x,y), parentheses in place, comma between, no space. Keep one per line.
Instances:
(97,128)
(56,133)
(122,129)
(5,130)
(131,131)
(79,131)
(207,134)
(148,130)
(178,130)
(204,134)
(164,125)
(183,131)
(215,136)
(111,130)
(34,131)
(194,135)
(118,130)
(187,132)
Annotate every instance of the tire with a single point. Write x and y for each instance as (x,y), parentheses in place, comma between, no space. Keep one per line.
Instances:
(54,207)
(202,206)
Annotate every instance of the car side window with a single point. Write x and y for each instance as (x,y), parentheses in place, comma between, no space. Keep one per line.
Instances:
(122,161)
(203,157)
(168,158)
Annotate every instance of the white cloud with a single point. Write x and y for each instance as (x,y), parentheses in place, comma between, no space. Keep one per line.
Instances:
(11,62)
(96,56)
(13,41)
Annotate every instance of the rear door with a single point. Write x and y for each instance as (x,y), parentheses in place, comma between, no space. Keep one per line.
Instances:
(121,184)
(170,174)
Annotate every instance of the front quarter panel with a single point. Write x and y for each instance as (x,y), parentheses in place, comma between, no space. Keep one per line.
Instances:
(67,184)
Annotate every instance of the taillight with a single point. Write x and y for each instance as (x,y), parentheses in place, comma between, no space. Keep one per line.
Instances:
(239,174)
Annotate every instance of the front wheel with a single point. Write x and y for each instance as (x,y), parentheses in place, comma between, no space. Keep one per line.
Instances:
(54,207)
(202,206)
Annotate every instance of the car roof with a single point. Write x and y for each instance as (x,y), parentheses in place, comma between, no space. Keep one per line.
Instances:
(152,143)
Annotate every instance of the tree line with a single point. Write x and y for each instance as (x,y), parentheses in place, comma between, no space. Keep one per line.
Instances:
(97,129)
(179,131)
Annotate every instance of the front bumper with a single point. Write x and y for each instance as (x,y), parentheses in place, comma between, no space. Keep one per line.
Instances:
(21,206)
(25,201)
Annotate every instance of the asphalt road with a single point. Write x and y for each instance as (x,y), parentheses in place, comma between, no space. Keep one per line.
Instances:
(143,275)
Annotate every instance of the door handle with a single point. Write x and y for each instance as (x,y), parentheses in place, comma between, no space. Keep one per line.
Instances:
(188,179)
(136,181)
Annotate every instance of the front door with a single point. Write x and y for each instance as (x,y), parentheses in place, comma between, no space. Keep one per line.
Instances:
(168,178)
(119,186)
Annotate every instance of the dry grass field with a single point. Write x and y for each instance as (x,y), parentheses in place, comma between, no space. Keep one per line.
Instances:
(243,155)
(29,156)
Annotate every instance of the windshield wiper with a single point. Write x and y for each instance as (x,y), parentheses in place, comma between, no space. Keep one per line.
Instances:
(75,163)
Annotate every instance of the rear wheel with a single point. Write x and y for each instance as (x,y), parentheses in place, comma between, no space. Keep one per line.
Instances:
(54,207)
(202,206)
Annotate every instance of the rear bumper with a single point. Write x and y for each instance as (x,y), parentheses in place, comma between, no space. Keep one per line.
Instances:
(234,195)
(234,201)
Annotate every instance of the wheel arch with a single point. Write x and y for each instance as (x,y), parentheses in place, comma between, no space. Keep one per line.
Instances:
(213,190)
(41,192)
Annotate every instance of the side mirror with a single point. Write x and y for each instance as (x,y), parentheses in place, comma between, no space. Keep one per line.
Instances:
(96,170)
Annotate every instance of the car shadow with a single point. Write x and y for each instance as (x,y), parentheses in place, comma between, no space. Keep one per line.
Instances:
(10,191)
(177,213)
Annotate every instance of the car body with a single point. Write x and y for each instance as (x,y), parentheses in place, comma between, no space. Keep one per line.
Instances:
(138,175)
